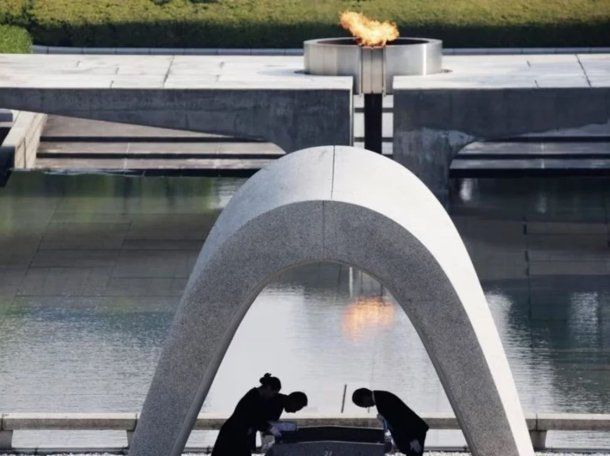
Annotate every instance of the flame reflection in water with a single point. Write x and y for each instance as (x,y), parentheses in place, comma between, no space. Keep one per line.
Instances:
(367,316)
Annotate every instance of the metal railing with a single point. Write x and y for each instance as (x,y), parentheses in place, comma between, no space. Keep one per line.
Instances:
(538,424)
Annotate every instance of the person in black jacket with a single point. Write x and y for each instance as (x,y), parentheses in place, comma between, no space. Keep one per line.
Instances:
(281,403)
(250,415)
(408,430)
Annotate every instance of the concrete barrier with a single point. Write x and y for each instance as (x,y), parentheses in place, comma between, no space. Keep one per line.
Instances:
(18,150)
(538,424)
(256,98)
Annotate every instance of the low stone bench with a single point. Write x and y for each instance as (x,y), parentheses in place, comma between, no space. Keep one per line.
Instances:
(538,424)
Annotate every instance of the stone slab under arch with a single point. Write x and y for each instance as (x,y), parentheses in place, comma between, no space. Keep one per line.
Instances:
(346,205)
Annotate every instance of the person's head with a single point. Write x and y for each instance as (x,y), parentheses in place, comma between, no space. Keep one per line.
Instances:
(270,386)
(295,402)
(363,397)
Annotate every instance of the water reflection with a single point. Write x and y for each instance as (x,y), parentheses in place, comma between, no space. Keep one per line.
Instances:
(92,269)
(367,316)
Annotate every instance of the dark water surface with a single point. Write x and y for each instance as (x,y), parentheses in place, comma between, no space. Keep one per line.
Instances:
(92,268)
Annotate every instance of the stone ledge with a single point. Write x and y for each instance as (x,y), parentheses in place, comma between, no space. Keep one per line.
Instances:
(20,145)
(39,49)
(573,422)
(212,421)
(69,421)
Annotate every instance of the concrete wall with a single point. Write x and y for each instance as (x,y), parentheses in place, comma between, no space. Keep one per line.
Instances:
(292,119)
(432,125)
(18,150)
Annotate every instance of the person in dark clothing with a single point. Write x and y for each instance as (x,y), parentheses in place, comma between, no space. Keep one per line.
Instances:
(407,429)
(250,415)
(280,403)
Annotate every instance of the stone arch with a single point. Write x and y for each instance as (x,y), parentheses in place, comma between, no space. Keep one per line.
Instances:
(346,205)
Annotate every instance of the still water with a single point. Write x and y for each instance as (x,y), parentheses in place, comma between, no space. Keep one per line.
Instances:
(92,268)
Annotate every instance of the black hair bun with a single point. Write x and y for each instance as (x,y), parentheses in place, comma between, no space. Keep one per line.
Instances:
(271,381)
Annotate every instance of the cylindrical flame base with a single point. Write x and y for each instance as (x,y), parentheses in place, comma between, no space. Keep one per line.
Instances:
(373,69)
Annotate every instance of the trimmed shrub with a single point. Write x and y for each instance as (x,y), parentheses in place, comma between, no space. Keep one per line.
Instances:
(286,23)
(14,40)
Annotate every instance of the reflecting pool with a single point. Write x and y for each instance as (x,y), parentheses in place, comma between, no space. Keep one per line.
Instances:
(92,268)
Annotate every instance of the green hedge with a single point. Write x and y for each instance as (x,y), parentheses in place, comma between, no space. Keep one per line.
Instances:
(286,23)
(14,40)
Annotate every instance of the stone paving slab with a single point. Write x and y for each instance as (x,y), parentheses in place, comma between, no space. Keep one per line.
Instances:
(239,71)
(159,71)
(515,71)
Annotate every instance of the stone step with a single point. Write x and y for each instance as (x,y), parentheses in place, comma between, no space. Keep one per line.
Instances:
(198,166)
(512,167)
(60,128)
(572,148)
(169,150)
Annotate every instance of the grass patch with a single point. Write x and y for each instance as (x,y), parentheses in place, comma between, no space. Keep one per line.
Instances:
(286,23)
(14,40)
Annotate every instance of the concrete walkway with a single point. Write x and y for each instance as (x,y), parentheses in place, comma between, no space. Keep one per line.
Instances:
(515,71)
(159,71)
(215,71)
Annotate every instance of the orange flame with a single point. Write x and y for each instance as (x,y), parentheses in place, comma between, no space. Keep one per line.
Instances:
(368,32)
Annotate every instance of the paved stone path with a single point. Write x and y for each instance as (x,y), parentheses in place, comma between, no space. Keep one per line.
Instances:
(160,71)
(179,71)
(516,71)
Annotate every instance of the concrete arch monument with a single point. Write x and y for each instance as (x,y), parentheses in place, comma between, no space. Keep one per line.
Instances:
(346,205)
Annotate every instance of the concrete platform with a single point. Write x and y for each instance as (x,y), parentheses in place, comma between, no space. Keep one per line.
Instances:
(515,71)
(245,96)
(220,72)
(268,98)
(494,97)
